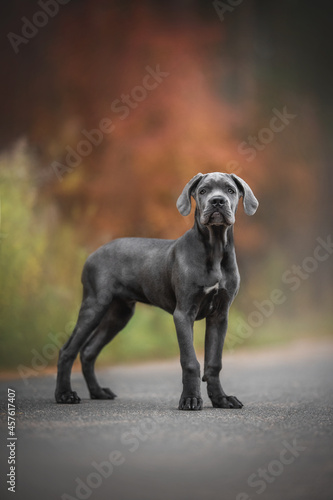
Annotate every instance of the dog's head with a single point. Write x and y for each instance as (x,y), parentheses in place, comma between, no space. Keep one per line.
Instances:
(217,195)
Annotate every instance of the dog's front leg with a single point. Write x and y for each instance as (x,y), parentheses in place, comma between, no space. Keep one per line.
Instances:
(191,396)
(216,329)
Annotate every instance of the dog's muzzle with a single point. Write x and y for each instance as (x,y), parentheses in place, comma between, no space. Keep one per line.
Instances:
(217,213)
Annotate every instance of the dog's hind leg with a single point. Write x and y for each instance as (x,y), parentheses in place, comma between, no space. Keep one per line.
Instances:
(93,308)
(118,315)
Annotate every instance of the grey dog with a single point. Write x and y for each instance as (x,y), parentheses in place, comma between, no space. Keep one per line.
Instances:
(193,277)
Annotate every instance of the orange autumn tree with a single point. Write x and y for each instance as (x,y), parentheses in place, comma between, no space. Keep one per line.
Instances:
(129,183)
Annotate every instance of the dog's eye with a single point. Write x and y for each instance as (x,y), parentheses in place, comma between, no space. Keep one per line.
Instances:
(202,191)
(231,191)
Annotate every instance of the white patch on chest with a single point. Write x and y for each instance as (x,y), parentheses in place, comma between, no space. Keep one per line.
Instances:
(208,289)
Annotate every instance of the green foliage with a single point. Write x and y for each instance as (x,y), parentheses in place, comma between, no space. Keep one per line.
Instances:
(40,265)
(40,268)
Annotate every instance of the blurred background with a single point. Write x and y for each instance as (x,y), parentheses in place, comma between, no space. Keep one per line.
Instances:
(110,107)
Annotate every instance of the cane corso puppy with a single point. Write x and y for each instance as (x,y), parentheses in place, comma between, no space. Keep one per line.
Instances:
(192,278)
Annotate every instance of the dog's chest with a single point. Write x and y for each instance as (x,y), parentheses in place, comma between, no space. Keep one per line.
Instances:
(208,299)
(216,294)
(209,289)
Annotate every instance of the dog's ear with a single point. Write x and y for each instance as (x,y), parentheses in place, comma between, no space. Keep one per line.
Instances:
(184,200)
(250,202)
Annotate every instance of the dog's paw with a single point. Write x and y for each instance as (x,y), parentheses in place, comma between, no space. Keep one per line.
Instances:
(103,393)
(226,402)
(69,397)
(190,403)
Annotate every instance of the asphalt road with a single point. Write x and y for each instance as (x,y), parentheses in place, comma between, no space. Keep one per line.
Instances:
(140,447)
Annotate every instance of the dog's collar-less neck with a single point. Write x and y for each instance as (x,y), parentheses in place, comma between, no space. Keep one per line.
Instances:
(218,235)
(217,240)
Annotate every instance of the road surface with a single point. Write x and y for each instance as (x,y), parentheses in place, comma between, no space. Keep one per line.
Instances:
(140,447)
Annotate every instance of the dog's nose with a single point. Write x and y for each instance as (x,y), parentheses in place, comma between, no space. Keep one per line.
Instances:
(217,202)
